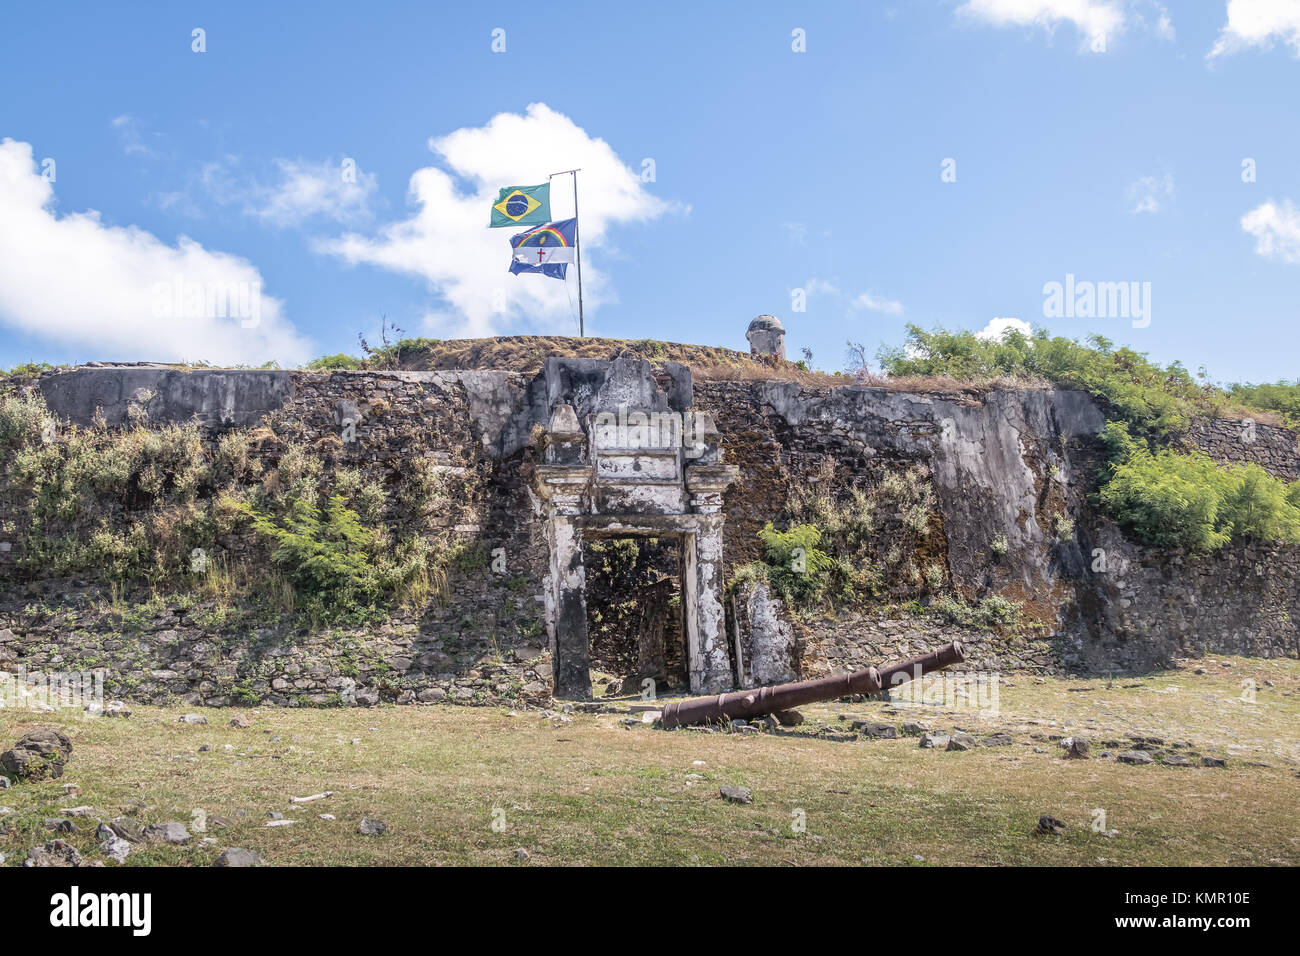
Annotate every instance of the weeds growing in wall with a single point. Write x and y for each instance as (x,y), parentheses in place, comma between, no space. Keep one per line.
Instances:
(1171,499)
(858,545)
(162,507)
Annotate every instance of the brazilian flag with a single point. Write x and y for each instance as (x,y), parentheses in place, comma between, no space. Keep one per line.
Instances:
(522,206)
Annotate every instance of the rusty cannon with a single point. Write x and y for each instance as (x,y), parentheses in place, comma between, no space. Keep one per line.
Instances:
(744,704)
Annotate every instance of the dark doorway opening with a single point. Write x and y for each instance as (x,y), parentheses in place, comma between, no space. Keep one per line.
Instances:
(634,613)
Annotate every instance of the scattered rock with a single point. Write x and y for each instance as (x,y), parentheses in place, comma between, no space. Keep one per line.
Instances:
(997,740)
(788,718)
(911,728)
(191,719)
(40,754)
(59,825)
(274,815)
(871,729)
(239,722)
(1048,824)
(280,823)
(736,794)
(1213,762)
(521,854)
(1177,760)
(54,853)
(236,856)
(116,849)
(167,832)
(960,741)
(827,734)
(1136,757)
(127,831)
(1077,750)
(114,708)
(311,799)
(933,741)
(371,827)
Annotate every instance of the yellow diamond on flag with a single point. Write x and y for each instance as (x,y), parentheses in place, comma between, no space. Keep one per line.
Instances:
(516,205)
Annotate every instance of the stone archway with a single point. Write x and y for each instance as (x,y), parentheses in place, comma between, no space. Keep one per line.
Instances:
(631,460)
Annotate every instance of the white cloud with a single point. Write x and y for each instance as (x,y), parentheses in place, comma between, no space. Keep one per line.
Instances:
(120,292)
(1093,18)
(447,242)
(818,286)
(338,191)
(875,303)
(128,128)
(1150,193)
(330,189)
(999,327)
(1164,25)
(1257,23)
(1276,229)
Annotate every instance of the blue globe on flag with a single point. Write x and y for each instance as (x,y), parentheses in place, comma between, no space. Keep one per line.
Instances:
(517,205)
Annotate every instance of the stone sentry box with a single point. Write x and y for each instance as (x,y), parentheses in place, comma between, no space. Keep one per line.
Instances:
(625,454)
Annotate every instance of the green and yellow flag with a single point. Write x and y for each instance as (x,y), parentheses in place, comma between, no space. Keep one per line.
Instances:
(522,206)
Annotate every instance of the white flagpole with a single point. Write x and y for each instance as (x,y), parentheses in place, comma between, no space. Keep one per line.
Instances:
(577,246)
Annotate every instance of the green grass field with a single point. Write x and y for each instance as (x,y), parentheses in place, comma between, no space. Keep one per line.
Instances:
(471,785)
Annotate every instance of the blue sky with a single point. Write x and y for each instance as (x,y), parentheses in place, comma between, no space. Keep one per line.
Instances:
(1103,139)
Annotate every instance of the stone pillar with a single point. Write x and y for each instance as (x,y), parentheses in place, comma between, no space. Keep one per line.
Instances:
(706,625)
(562,481)
(566,609)
(702,583)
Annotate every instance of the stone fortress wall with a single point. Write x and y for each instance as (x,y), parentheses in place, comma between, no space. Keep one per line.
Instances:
(1004,464)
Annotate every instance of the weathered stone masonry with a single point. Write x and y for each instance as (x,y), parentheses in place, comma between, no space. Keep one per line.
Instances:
(543,468)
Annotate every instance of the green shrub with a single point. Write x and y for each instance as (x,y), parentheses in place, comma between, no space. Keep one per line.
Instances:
(21,419)
(329,557)
(1282,397)
(989,614)
(913,495)
(1063,528)
(338,360)
(797,568)
(1157,401)
(1187,500)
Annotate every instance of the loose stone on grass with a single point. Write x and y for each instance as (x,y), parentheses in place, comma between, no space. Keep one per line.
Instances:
(237,856)
(1135,757)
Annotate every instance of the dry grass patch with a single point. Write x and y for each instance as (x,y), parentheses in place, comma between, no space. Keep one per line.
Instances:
(592,791)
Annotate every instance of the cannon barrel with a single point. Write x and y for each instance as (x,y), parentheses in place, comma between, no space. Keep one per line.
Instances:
(745,704)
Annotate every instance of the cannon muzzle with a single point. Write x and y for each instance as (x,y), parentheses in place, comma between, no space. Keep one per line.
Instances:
(744,704)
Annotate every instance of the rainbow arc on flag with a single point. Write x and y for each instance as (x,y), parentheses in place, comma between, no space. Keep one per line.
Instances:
(547,249)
